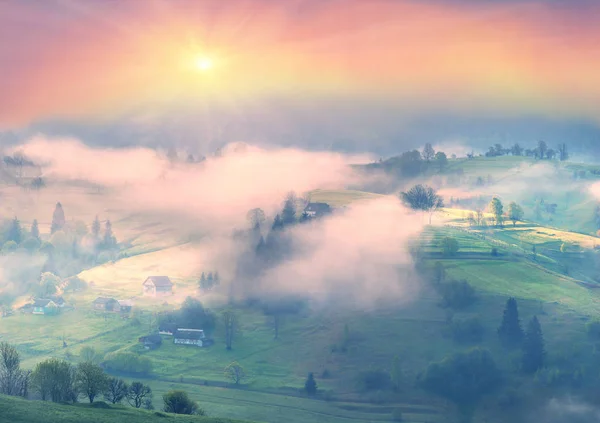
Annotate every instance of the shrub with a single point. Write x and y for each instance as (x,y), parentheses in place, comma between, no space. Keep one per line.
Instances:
(457,294)
(127,362)
(467,330)
(372,380)
(178,402)
(449,246)
(9,247)
(494,252)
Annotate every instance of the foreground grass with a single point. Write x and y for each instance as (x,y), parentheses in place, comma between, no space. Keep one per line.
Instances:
(17,410)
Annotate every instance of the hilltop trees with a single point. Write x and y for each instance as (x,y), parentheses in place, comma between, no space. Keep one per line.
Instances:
(90,379)
(516,150)
(510,331)
(422,198)
(96,228)
(497,209)
(13,380)
(58,218)
(288,214)
(35,230)
(310,386)
(14,233)
(109,241)
(563,153)
(533,347)
(542,148)
(428,152)
(441,159)
(515,213)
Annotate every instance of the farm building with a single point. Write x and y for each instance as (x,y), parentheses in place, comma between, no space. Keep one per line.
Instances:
(157,286)
(167,329)
(45,306)
(151,342)
(194,337)
(125,306)
(317,209)
(106,304)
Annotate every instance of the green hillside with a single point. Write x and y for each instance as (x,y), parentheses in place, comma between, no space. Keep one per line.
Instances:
(16,410)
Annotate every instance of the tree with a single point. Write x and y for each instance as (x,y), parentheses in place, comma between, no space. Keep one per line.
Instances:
(116,390)
(178,402)
(38,183)
(35,230)
(463,378)
(96,228)
(54,379)
(563,154)
(89,354)
(277,223)
(542,148)
(235,372)
(190,158)
(288,214)
(230,323)
(137,393)
(515,213)
(423,198)
(533,347)
(13,380)
(91,380)
(255,218)
(428,152)
(449,246)
(516,150)
(441,159)
(497,209)
(14,231)
(310,386)
(109,240)
(510,331)
(58,218)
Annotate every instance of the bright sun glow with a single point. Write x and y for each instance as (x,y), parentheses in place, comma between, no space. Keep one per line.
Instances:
(203,63)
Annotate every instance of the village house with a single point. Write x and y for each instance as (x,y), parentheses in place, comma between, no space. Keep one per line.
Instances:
(157,286)
(317,209)
(106,304)
(194,337)
(125,306)
(45,307)
(167,329)
(151,342)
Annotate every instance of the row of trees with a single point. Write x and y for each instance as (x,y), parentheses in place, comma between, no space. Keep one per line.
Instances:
(59,381)
(541,151)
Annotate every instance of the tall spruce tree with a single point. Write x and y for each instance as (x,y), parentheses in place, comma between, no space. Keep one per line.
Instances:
(310,386)
(96,227)
(14,231)
(533,347)
(288,214)
(58,218)
(277,223)
(109,239)
(35,230)
(510,331)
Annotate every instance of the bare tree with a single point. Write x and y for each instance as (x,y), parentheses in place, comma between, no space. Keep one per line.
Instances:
(116,390)
(428,152)
(13,380)
(137,393)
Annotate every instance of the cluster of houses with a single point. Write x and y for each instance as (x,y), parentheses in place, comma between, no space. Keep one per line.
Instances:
(111,305)
(181,336)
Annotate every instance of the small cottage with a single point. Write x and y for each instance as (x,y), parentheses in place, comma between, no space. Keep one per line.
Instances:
(317,209)
(106,304)
(151,342)
(194,337)
(44,306)
(125,306)
(157,286)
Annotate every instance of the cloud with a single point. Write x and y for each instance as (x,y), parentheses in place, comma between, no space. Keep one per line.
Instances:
(359,256)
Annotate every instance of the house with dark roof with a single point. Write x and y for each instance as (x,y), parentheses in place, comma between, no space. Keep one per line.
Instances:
(151,342)
(158,285)
(125,306)
(317,209)
(44,306)
(106,304)
(167,329)
(193,337)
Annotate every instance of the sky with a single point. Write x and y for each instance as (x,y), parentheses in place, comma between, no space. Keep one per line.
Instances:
(338,74)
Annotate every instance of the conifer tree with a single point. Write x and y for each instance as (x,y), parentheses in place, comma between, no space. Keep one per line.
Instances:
(109,239)
(533,347)
(216,278)
(277,223)
(202,282)
(288,214)
(35,230)
(96,228)
(58,218)
(14,231)
(310,386)
(510,331)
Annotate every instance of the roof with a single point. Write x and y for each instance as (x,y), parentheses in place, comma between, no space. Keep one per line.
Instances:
(104,300)
(189,334)
(125,303)
(58,300)
(318,207)
(42,302)
(159,281)
(151,339)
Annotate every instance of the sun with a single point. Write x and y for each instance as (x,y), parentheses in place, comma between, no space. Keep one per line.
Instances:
(203,64)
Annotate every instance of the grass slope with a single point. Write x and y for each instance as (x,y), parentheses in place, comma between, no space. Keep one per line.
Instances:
(17,410)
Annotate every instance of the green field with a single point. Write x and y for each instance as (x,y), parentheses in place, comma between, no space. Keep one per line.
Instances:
(16,410)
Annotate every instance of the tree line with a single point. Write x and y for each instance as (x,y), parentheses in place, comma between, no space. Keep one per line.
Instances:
(541,151)
(59,381)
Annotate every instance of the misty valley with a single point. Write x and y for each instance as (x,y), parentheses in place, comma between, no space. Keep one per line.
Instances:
(426,287)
